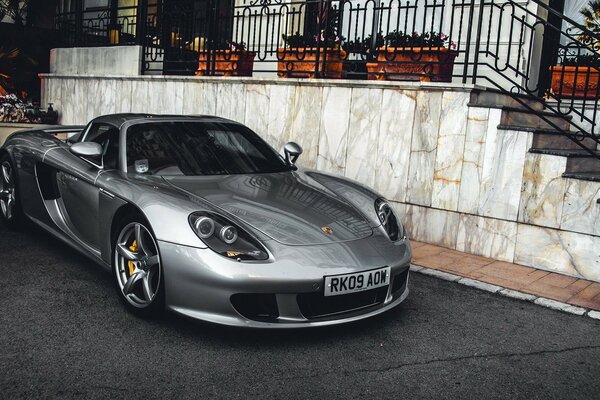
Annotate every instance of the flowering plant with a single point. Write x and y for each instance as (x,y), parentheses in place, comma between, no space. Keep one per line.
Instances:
(425,39)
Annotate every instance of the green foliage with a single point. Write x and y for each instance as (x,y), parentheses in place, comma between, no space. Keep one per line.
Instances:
(364,46)
(298,40)
(425,39)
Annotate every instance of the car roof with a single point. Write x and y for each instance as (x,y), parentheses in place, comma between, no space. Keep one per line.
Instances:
(120,119)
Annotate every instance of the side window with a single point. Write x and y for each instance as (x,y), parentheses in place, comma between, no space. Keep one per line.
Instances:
(108,137)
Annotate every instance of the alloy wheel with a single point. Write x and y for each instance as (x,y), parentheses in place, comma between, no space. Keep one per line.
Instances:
(137,265)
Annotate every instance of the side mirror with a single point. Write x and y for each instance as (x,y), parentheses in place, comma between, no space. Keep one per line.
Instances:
(292,151)
(90,151)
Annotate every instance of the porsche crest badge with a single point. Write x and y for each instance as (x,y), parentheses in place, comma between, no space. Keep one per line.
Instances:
(327,230)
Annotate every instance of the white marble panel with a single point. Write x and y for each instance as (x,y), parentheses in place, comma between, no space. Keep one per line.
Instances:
(280,115)
(209,99)
(503,173)
(224,101)
(394,143)
(257,108)
(487,237)
(423,148)
(85,100)
(43,92)
(433,226)
(363,135)
(107,97)
(155,96)
(123,95)
(193,96)
(307,120)
(333,134)
(54,93)
(543,190)
(559,251)
(473,155)
(68,102)
(94,97)
(171,102)
(450,148)
(238,102)
(581,212)
(140,96)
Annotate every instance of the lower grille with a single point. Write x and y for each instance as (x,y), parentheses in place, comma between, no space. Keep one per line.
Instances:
(399,281)
(315,305)
(258,307)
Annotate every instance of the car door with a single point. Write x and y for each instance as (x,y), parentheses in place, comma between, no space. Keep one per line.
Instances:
(79,196)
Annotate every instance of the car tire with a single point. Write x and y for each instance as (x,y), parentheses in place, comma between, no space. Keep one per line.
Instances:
(11,213)
(137,268)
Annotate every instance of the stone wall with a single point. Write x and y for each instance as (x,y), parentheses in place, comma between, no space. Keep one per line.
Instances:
(456,179)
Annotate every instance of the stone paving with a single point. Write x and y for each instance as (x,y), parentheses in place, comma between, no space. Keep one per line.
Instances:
(539,283)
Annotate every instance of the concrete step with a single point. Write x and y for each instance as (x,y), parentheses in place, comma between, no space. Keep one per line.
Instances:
(495,99)
(581,163)
(553,139)
(515,119)
(586,176)
(578,160)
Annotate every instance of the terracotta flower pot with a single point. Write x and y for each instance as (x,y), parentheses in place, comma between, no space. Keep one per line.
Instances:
(300,62)
(425,64)
(226,62)
(575,82)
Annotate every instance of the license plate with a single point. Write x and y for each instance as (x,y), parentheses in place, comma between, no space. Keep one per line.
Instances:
(350,283)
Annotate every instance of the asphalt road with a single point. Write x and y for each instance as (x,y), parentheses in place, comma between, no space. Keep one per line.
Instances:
(64,333)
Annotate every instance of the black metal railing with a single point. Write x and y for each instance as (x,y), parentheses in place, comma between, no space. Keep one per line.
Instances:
(522,49)
(533,52)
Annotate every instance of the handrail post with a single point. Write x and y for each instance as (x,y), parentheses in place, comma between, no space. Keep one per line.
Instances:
(468,42)
(478,40)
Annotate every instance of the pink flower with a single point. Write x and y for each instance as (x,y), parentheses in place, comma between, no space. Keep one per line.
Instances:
(452,45)
(443,37)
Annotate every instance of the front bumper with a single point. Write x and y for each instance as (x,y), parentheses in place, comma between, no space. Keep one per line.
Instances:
(200,283)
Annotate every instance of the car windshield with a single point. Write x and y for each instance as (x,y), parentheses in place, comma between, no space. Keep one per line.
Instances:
(199,148)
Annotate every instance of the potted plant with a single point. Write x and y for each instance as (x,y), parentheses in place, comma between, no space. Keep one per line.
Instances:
(578,76)
(226,59)
(425,56)
(298,58)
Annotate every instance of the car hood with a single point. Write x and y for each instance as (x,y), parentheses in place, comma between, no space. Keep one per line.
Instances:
(287,207)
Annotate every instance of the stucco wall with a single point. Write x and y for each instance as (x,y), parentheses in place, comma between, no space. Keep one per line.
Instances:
(456,179)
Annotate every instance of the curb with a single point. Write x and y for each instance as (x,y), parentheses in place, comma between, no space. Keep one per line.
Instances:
(514,294)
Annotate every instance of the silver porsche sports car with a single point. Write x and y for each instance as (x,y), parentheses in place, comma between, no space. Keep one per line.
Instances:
(200,216)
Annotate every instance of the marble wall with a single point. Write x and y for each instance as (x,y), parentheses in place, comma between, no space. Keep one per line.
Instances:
(454,177)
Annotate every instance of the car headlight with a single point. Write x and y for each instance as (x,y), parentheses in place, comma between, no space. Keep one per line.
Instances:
(225,238)
(388,220)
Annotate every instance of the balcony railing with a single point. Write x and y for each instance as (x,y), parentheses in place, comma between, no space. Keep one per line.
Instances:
(519,48)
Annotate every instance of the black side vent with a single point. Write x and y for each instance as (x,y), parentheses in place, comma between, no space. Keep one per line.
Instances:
(46,179)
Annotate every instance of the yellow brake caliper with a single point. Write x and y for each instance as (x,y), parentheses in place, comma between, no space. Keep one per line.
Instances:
(133,247)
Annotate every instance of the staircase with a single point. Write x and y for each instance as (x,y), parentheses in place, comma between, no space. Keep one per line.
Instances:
(551,133)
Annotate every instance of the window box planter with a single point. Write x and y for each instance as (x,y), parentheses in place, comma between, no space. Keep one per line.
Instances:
(426,64)
(226,62)
(300,62)
(575,82)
